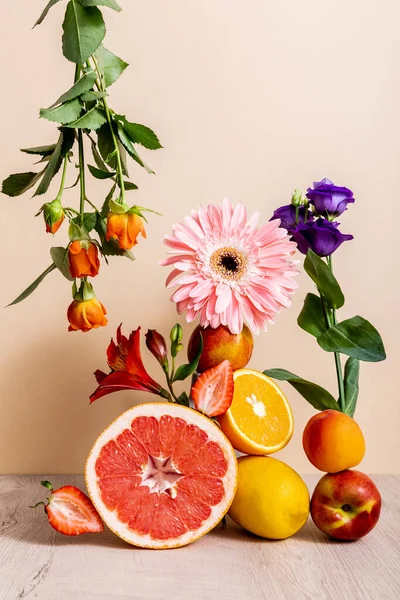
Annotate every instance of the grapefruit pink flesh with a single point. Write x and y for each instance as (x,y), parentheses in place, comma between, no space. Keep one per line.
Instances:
(161,475)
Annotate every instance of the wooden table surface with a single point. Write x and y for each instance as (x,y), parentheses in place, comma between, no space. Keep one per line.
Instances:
(37,562)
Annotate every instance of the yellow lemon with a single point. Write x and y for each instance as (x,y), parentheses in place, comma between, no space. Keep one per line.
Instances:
(260,420)
(272,500)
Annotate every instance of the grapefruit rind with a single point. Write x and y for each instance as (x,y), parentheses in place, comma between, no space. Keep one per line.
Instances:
(237,437)
(157,410)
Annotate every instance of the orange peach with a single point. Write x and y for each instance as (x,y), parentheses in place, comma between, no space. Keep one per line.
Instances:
(333,441)
(220,344)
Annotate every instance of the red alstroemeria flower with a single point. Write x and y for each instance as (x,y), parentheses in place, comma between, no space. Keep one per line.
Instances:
(127,369)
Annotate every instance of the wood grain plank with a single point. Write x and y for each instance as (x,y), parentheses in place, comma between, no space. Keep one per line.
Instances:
(36,562)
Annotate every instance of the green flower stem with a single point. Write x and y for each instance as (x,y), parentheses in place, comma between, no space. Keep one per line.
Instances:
(82,183)
(62,184)
(102,88)
(331,319)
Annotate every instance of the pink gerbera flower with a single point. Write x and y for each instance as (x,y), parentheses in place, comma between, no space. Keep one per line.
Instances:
(229,270)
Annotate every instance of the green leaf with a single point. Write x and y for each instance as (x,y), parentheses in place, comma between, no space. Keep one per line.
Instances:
(111,66)
(89,221)
(84,84)
(351,374)
(355,337)
(60,259)
(316,395)
(29,290)
(312,317)
(107,149)
(93,119)
(186,370)
(130,186)
(45,12)
(93,96)
(109,3)
(65,113)
(19,183)
(324,279)
(140,134)
(84,30)
(40,150)
(183,399)
(99,173)
(105,209)
(130,149)
(64,145)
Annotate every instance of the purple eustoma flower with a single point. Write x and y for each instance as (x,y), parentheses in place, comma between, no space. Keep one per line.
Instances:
(329,200)
(322,236)
(287,215)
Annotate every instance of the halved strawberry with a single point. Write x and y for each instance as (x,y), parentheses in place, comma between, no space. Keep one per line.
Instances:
(70,511)
(212,393)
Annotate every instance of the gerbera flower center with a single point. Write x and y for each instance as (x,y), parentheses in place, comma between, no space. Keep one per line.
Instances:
(229,262)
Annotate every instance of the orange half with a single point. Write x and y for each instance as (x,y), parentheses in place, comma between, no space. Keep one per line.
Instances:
(260,420)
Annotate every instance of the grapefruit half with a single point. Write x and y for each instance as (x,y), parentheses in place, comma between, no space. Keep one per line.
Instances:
(161,475)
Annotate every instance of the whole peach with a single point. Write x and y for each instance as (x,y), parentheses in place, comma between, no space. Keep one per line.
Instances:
(333,441)
(346,505)
(220,344)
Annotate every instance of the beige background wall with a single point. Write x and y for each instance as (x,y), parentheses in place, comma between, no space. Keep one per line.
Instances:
(250,99)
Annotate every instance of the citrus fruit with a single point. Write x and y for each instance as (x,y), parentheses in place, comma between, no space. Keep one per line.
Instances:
(212,392)
(333,441)
(161,475)
(272,500)
(260,420)
(220,344)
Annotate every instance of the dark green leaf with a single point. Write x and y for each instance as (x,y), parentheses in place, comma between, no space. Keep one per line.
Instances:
(186,370)
(109,3)
(111,66)
(45,12)
(316,395)
(130,149)
(107,149)
(65,113)
(183,399)
(84,84)
(84,30)
(140,134)
(312,317)
(40,150)
(105,209)
(355,337)
(99,173)
(33,286)
(93,96)
(60,259)
(93,119)
(130,186)
(51,169)
(19,183)
(89,221)
(47,485)
(351,374)
(324,279)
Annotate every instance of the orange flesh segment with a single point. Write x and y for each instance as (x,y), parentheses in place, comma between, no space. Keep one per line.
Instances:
(259,411)
(194,462)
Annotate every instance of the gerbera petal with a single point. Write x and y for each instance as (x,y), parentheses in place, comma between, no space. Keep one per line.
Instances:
(224,299)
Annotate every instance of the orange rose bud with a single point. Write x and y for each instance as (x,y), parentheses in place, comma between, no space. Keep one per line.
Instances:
(53,213)
(83,259)
(125,228)
(85,315)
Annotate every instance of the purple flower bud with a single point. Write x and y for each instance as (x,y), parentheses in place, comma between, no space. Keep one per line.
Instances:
(287,216)
(322,236)
(158,347)
(329,200)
